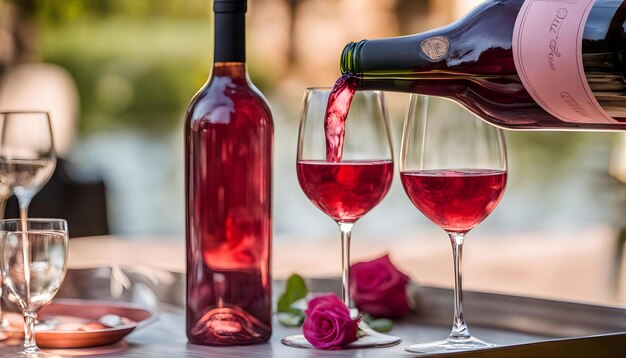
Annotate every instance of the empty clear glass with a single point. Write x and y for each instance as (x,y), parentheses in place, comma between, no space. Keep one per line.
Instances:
(33,263)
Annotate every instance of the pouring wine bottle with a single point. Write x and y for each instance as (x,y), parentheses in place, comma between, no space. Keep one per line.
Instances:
(228,170)
(517,64)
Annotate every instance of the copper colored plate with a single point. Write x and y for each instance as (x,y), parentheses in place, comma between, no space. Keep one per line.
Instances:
(89,310)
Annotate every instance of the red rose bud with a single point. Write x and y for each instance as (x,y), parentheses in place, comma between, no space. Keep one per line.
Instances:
(379,288)
(327,323)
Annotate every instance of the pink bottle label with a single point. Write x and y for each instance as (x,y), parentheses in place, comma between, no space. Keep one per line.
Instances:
(547,50)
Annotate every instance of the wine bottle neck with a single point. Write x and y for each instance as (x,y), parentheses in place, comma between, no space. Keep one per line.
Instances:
(230,31)
(425,52)
(478,45)
(351,58)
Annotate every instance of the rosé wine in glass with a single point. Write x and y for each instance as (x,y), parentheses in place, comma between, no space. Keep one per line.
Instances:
(345,191)
(455,200)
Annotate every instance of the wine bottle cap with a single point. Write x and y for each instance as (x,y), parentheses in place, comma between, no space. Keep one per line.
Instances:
(221,6)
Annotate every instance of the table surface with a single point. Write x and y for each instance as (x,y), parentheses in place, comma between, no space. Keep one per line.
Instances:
(493,318)
(165,336)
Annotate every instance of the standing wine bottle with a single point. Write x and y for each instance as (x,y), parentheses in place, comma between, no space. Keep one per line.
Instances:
(518,64)
(228,169)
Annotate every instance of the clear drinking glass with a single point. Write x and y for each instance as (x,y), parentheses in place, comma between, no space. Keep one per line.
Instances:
(33,264)
(346,189)
(453,168)
(27,158)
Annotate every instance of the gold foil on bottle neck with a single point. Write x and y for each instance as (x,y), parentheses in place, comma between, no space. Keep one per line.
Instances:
(435,48)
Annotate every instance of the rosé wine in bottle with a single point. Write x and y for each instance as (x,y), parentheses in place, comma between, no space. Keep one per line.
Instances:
(228,169)
(517,64)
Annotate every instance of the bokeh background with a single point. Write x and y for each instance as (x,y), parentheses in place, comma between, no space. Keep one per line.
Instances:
(118,74)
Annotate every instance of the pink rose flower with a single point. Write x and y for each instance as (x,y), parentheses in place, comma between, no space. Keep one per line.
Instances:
(327,323)
(379,288)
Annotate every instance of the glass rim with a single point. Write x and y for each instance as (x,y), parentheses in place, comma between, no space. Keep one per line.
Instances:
(34,220)
(329,89)
(35,225)
(498,126)
(418,95)
(24,112)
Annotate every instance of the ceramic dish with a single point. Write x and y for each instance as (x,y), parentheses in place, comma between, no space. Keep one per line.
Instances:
(74,323)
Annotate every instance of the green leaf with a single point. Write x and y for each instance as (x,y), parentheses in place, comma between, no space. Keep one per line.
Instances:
(292,319)
(295,289)
(382,325)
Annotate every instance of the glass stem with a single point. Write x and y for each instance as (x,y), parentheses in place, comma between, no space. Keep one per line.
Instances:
(30,346)
(24,203)
(459,328)
(346,230)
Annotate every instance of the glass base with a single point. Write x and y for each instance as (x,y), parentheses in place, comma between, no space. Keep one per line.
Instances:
(19,352)
(449,345)
(37,354)
(367,341)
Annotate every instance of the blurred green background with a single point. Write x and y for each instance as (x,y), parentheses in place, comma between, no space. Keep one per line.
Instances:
(136,63)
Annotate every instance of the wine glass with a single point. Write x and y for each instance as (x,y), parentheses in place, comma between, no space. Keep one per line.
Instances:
(348,186)
(453,168)
(27,158)
(33,263)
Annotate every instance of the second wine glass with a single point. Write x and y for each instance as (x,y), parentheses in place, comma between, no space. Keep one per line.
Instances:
(453,168)
(351,181)
(27,158)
